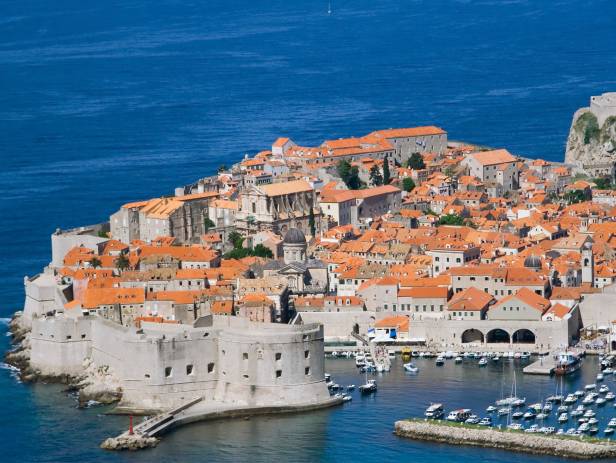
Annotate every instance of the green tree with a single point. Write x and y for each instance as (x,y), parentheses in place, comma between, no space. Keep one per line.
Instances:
(238,253)
(262,251)
(386,173)
(450,219)
(602,183)
(122,262)
(311,222)
(349,175)
(408,184)
(416,162)
(236,240)
(375,176)
(207,224)
(575,196)
(95,262)
(102,234)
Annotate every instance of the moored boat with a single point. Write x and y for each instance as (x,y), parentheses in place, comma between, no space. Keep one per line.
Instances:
(567,363)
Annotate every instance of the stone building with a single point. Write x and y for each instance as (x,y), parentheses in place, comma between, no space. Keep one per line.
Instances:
(182,217)
(303,275)
(277,207)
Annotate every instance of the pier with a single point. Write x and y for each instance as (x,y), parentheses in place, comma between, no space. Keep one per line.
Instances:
(147,433)
(515,441)
(545,365)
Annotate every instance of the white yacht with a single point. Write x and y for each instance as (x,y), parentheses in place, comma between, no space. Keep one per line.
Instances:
(434,411)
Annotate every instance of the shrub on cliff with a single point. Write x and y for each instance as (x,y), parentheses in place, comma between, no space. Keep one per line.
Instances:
(587,124)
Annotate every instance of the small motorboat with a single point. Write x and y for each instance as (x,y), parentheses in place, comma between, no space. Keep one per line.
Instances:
(487,421)
(547,408)
(608,431)
(600,377)
(562,409)
(563,418)
(601,401)
(584,427)
(612,423)
(530,415)
(593,430)
(410,367)
(458,359)
(589,414)
(608,371)
(496,358)
(571,399)
(440,361)
(517,415)
(351,387)
(483,362)
(473,419)
(590,387)
(592,421)
(610,396)
(515,427)
(542,416)
(533,429)
(503,411)
(579,393)
(491,409)
(603,389)
(555,398)
(369,387)
(548,430)
(347,397)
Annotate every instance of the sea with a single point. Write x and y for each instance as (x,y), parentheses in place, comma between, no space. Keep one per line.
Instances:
(110,102)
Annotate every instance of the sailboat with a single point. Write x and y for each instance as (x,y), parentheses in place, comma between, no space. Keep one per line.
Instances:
(513,399)
(329,8)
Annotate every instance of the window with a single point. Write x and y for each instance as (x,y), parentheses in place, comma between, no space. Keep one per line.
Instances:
(147,375)
(278,373)
(307,371)
(245,355)
(189,369)
(210,367)
(278,355)
(168,372)
(306,354)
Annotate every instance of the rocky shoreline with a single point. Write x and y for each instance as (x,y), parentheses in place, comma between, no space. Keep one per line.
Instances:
(95,385)
(506,440)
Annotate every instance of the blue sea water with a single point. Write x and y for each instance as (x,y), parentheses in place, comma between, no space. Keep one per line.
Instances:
(104,103)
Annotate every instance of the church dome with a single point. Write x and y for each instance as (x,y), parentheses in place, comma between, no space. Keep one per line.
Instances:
(532,261)
(294,236)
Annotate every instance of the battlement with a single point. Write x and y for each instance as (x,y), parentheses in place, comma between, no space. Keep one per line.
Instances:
(603,106)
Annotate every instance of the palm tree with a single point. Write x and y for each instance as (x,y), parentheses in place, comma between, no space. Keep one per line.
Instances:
(95,262)
(122,262)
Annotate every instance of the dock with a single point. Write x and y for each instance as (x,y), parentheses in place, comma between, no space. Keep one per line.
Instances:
(545,365)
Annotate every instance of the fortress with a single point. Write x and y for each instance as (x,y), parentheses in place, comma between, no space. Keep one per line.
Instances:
(226,360)
(603,107)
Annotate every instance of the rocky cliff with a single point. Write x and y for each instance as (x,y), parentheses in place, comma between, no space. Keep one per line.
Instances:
(588,144)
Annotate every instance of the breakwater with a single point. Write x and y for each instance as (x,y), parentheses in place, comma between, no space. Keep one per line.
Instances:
(448,433)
